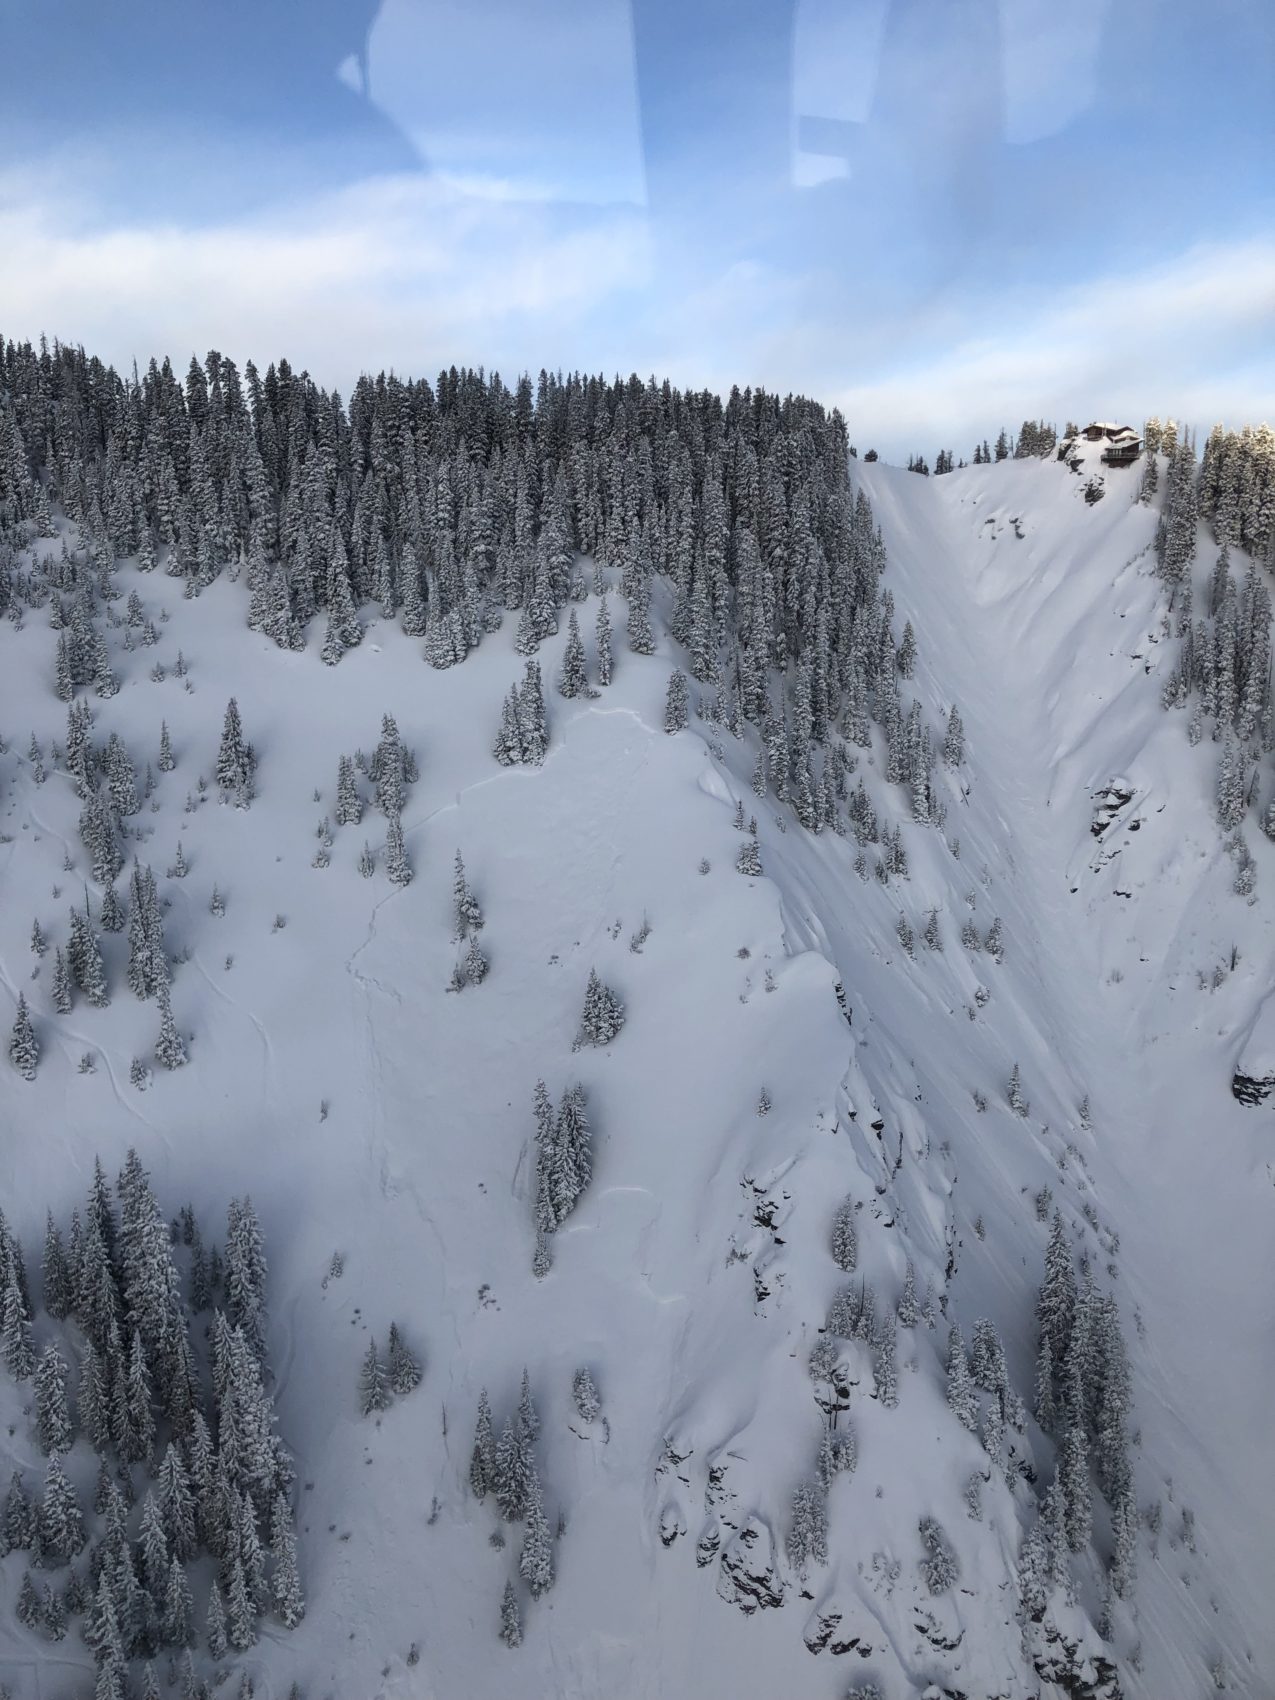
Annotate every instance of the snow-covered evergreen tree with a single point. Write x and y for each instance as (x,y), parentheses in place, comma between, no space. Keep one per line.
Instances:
(602,1016)
(535,1563)
(510,1618)
(374,1389)
(403,1369)
(24,1047)
(844,1241)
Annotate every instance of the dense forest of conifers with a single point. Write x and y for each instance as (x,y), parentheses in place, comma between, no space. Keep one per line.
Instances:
(448,506)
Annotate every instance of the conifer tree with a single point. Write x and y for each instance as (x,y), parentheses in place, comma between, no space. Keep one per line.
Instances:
(513,1472)
(166,761)
(602,642)
(535,1563)
(24,1047)
(939,1568)
(677,703)
(217,1643)
(585,1395)
(59,1293)
(241,1620)
(1014,1093)
(15,1330)
(84,959)
(61,1520)
(397,865)
(374,1391)
(1074,1469)
(52,1415)
(176,1626)
(532,721)
(573,680)
(885,1373)
(808,1527)
(909,1312)
(170,1051)
(1056,1307)
(482,1460)
(134,1420)
(528,1419)
(961,1396)
(19,1517)
(349,804)
(177,1505)
(748,859)
(404,1371)
(602,1016)
(510,1618)
(468,911)
(289,1602)
(235,759)
(154,1548)
(845,1241)
(245,1274)
(94,1400)
(476,963)
(111,913)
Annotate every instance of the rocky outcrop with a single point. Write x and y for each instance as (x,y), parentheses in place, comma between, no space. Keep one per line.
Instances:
(1079,1671)
(1252,1091)
(748,1576)
(1108,803)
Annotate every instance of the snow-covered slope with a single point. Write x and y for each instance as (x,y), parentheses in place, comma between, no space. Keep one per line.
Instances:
(373,1113)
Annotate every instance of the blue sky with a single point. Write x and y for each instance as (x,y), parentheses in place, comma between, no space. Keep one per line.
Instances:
(940,214)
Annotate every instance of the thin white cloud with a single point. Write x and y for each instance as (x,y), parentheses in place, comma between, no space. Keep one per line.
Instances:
(1190,338)
(400,271)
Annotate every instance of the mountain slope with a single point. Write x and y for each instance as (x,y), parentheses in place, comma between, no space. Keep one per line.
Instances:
(374,1113)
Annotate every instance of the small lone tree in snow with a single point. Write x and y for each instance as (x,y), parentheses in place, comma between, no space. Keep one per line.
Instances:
(585,1395)
(1014,1092)
(236,760)
(602,1016)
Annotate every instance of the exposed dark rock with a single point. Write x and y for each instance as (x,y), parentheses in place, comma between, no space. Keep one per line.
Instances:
(1251,1091)
(1078,1671)
(819,1629)
(748,1575)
